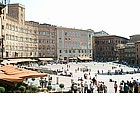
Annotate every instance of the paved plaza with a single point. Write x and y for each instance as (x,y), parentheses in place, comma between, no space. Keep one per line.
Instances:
(94,68)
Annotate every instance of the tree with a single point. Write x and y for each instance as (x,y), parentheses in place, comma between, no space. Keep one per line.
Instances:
(61,86)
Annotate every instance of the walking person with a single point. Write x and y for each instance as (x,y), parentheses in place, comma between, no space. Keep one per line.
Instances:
(115,86)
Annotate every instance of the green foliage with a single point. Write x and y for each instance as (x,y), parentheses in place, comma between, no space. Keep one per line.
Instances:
(41,81)
(2,89)
(61,86)
(49,87)
(22,88)
(34,89)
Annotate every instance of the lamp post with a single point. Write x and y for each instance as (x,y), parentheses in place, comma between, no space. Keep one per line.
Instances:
(3,4)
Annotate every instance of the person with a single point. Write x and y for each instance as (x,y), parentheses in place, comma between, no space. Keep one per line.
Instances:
(139,88)
(101,89)
(45,83)
(121,87)
(135,88)
(94,81)
(79,88)
(85,87)
(115,86)
(104,88)
(91,86)
(126,88)
(75,88)
(130,87)
(82,87)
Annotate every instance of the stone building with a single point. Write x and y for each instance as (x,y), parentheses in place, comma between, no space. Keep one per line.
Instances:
(47,41)
(30,39)
(134,38)
(21,37)
(72,43)
(129,53)
(137,52)
(101,33)
(106,47)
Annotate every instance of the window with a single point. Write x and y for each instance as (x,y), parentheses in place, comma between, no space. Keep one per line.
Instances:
(21,39)
(60,51)
(7,36)
(13,27)
(12,37)
(2,26)
(48,41)
(66,33)
(16,28)
(7,26)
(53,41)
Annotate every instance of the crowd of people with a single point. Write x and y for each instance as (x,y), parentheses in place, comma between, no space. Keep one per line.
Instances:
(88,81)
(100,87)
(127,86)
(89,87)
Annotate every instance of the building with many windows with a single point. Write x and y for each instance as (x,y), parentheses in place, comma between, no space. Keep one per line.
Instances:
(130,53)
(31,39)
(47,41)
(21,37)
(137,52)
(106,47)
(73,43)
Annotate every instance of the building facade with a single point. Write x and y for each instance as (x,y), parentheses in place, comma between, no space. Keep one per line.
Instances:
(101,33)
(30,39)
(21,37)
(47,44)
(135,38)
(129,53)
(73,43)
(106,47)
(137,52)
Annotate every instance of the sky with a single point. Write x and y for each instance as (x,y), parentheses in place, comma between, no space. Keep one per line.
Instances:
(116,17)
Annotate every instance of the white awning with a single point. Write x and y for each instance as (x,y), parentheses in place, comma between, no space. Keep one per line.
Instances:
(46,59)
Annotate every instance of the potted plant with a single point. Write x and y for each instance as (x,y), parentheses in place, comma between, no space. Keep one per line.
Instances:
(2,89)
(34,89)
(49,87)
(22,89)
(61,86)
